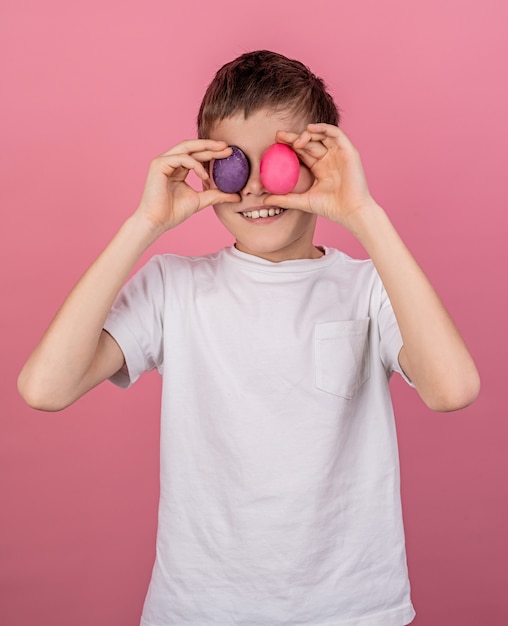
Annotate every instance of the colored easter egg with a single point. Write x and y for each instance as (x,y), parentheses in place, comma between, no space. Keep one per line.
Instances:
(231,173)
(279,169)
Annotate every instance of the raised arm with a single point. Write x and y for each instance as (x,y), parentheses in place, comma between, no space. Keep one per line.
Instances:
(434,355)
(75,353)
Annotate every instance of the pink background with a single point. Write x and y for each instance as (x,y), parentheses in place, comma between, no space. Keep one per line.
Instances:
(90,93)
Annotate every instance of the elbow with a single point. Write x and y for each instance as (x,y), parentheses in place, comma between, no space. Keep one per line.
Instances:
(456,396)
(38,396)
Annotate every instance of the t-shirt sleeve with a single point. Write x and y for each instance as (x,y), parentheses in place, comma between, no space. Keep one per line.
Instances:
(136,323)
(390,337)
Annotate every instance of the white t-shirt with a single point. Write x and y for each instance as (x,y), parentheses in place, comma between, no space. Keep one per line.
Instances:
(280,498)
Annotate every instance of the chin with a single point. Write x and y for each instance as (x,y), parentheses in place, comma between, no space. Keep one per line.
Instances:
(275,249)
(289,237)
(264,242)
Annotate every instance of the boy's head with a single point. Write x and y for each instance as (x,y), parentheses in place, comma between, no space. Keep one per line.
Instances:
(265,80)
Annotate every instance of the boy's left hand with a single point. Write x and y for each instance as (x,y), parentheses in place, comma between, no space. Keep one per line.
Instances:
(340,188)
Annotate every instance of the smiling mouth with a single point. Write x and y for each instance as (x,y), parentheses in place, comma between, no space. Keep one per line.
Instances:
(257,213)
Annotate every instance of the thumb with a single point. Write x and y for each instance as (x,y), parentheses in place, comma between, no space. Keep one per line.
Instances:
(214,196)
(290,201)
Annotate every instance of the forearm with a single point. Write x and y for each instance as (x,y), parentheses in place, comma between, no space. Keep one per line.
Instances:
(75,354)
(68,361)
(434,355)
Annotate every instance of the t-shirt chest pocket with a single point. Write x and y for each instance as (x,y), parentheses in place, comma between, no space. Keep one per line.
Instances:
(341,356)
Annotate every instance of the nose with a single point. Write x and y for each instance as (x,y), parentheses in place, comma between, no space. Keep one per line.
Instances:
(254,186)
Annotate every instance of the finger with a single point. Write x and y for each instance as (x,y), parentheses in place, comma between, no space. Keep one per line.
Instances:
(289,201)
(332,137)
(332,131)
(307,146)
(307,137)
(298,139)
(326,129)
(284,136)
(171,164)
(208,155)
(215,196)
(195,145)
(315,149)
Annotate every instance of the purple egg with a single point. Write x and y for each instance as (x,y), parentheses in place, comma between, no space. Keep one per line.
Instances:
(232,173)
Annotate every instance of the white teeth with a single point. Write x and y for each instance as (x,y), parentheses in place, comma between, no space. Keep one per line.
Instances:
(262,213)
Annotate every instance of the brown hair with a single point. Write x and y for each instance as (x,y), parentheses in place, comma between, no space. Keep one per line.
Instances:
(264,79)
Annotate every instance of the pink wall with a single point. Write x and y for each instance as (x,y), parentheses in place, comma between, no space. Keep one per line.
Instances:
(90,93)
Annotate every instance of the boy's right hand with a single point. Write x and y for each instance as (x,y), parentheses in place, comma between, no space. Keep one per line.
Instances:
(167,198)
(66,364)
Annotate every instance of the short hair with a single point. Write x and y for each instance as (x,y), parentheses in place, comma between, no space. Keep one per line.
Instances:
(264,79)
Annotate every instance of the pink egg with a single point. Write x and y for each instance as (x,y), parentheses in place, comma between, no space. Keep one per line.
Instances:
(279,169)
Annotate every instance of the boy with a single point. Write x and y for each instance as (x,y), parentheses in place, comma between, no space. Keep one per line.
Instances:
(279,470)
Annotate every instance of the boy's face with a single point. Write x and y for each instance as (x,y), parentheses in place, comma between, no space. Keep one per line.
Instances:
(281,237)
